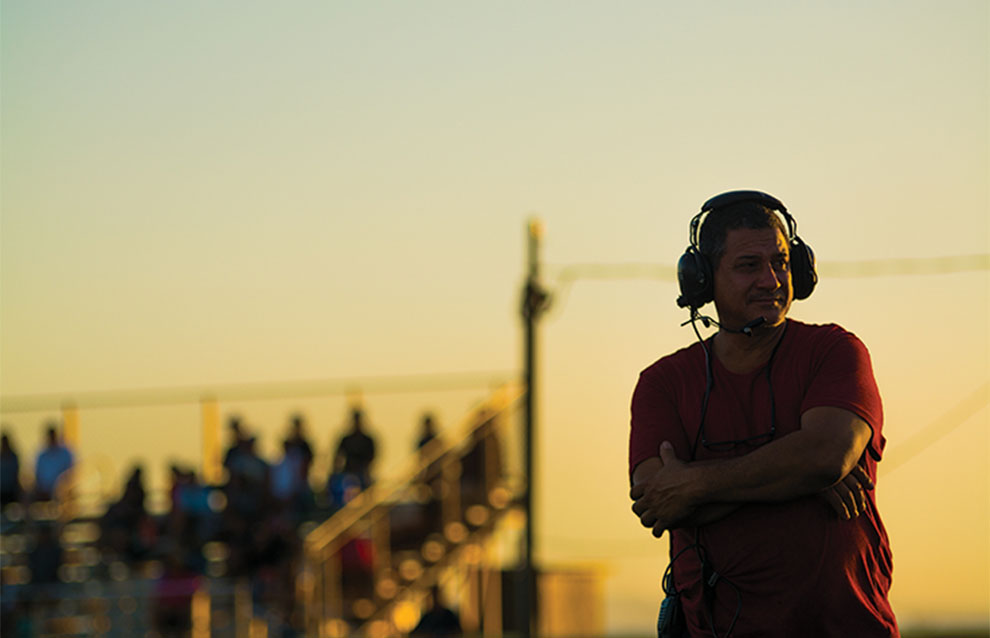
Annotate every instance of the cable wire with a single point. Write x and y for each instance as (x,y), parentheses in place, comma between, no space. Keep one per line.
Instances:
(564,276)
(938,429)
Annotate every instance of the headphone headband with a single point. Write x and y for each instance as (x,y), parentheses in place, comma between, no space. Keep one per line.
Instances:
(734,197)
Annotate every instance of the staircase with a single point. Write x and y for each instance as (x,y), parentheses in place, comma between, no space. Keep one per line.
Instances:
(368,569)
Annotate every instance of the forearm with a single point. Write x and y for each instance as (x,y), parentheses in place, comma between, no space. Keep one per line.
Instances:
(804,462)
(761,476)
(669,493)
(703,515)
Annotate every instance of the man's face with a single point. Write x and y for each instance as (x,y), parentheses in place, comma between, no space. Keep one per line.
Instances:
(753,279)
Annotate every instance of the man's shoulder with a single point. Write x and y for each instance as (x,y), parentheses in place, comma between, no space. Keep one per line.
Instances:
(823,334)
(676,360)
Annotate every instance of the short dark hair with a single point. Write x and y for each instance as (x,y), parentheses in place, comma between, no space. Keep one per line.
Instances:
(718,223)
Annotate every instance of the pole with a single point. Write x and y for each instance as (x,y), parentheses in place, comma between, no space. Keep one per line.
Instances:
(534,302)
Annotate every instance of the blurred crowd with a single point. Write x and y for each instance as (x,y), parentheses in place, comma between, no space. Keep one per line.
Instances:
(249,527)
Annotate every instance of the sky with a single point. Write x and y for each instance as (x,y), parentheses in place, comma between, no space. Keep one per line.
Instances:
(196,195)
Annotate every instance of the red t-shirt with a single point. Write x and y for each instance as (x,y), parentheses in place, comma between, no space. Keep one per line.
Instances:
(799,570)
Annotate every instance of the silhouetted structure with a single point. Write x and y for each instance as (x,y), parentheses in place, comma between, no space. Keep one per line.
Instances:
(481,467)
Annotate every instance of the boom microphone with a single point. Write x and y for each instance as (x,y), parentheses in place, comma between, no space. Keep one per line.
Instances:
(745,330)
(748,328)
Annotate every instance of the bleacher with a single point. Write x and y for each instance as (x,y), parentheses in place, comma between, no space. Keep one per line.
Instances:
(449,522)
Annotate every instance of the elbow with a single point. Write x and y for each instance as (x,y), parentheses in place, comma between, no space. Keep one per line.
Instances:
(835,441)
(825,464)
(834,465)
(829,475)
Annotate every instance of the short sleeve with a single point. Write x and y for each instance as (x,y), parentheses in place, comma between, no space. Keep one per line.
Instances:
(844,379)
(654,419)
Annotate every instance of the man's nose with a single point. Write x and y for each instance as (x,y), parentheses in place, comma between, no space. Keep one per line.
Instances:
(770,278)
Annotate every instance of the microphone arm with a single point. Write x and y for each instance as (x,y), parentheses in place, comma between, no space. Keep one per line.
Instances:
(707,321)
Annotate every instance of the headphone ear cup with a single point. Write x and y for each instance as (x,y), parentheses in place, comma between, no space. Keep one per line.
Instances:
(803,274)
(694,276)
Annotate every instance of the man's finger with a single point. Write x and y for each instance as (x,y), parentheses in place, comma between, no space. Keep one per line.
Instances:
(648,520)
(667,452)
(858,493)
(861,502)
(658,530)
(848,497)
(833,499)
(862,477)
(638,508)
(637,491)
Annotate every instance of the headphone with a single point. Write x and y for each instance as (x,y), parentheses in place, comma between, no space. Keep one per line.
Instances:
(695,272)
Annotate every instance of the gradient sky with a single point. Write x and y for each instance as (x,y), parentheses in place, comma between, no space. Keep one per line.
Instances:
(231,192)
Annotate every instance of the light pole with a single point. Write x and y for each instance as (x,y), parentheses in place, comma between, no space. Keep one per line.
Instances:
(534,303)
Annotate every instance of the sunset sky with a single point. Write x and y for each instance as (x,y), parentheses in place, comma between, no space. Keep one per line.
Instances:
(202,194)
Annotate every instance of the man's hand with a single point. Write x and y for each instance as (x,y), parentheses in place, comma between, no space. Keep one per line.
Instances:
(666,498)
(848,496)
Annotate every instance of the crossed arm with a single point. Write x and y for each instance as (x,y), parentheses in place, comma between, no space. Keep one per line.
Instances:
(820,458)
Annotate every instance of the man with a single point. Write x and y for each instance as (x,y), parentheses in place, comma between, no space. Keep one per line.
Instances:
(357,448)
(757,449)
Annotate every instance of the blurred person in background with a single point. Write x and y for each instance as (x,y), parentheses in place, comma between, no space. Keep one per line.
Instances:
(248,466)
(438,621)
(300,443)
(289,487)
(357,448)
(234,448)
(342,486)
(10,473)
(127,530)
(54,462)
(190,522)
